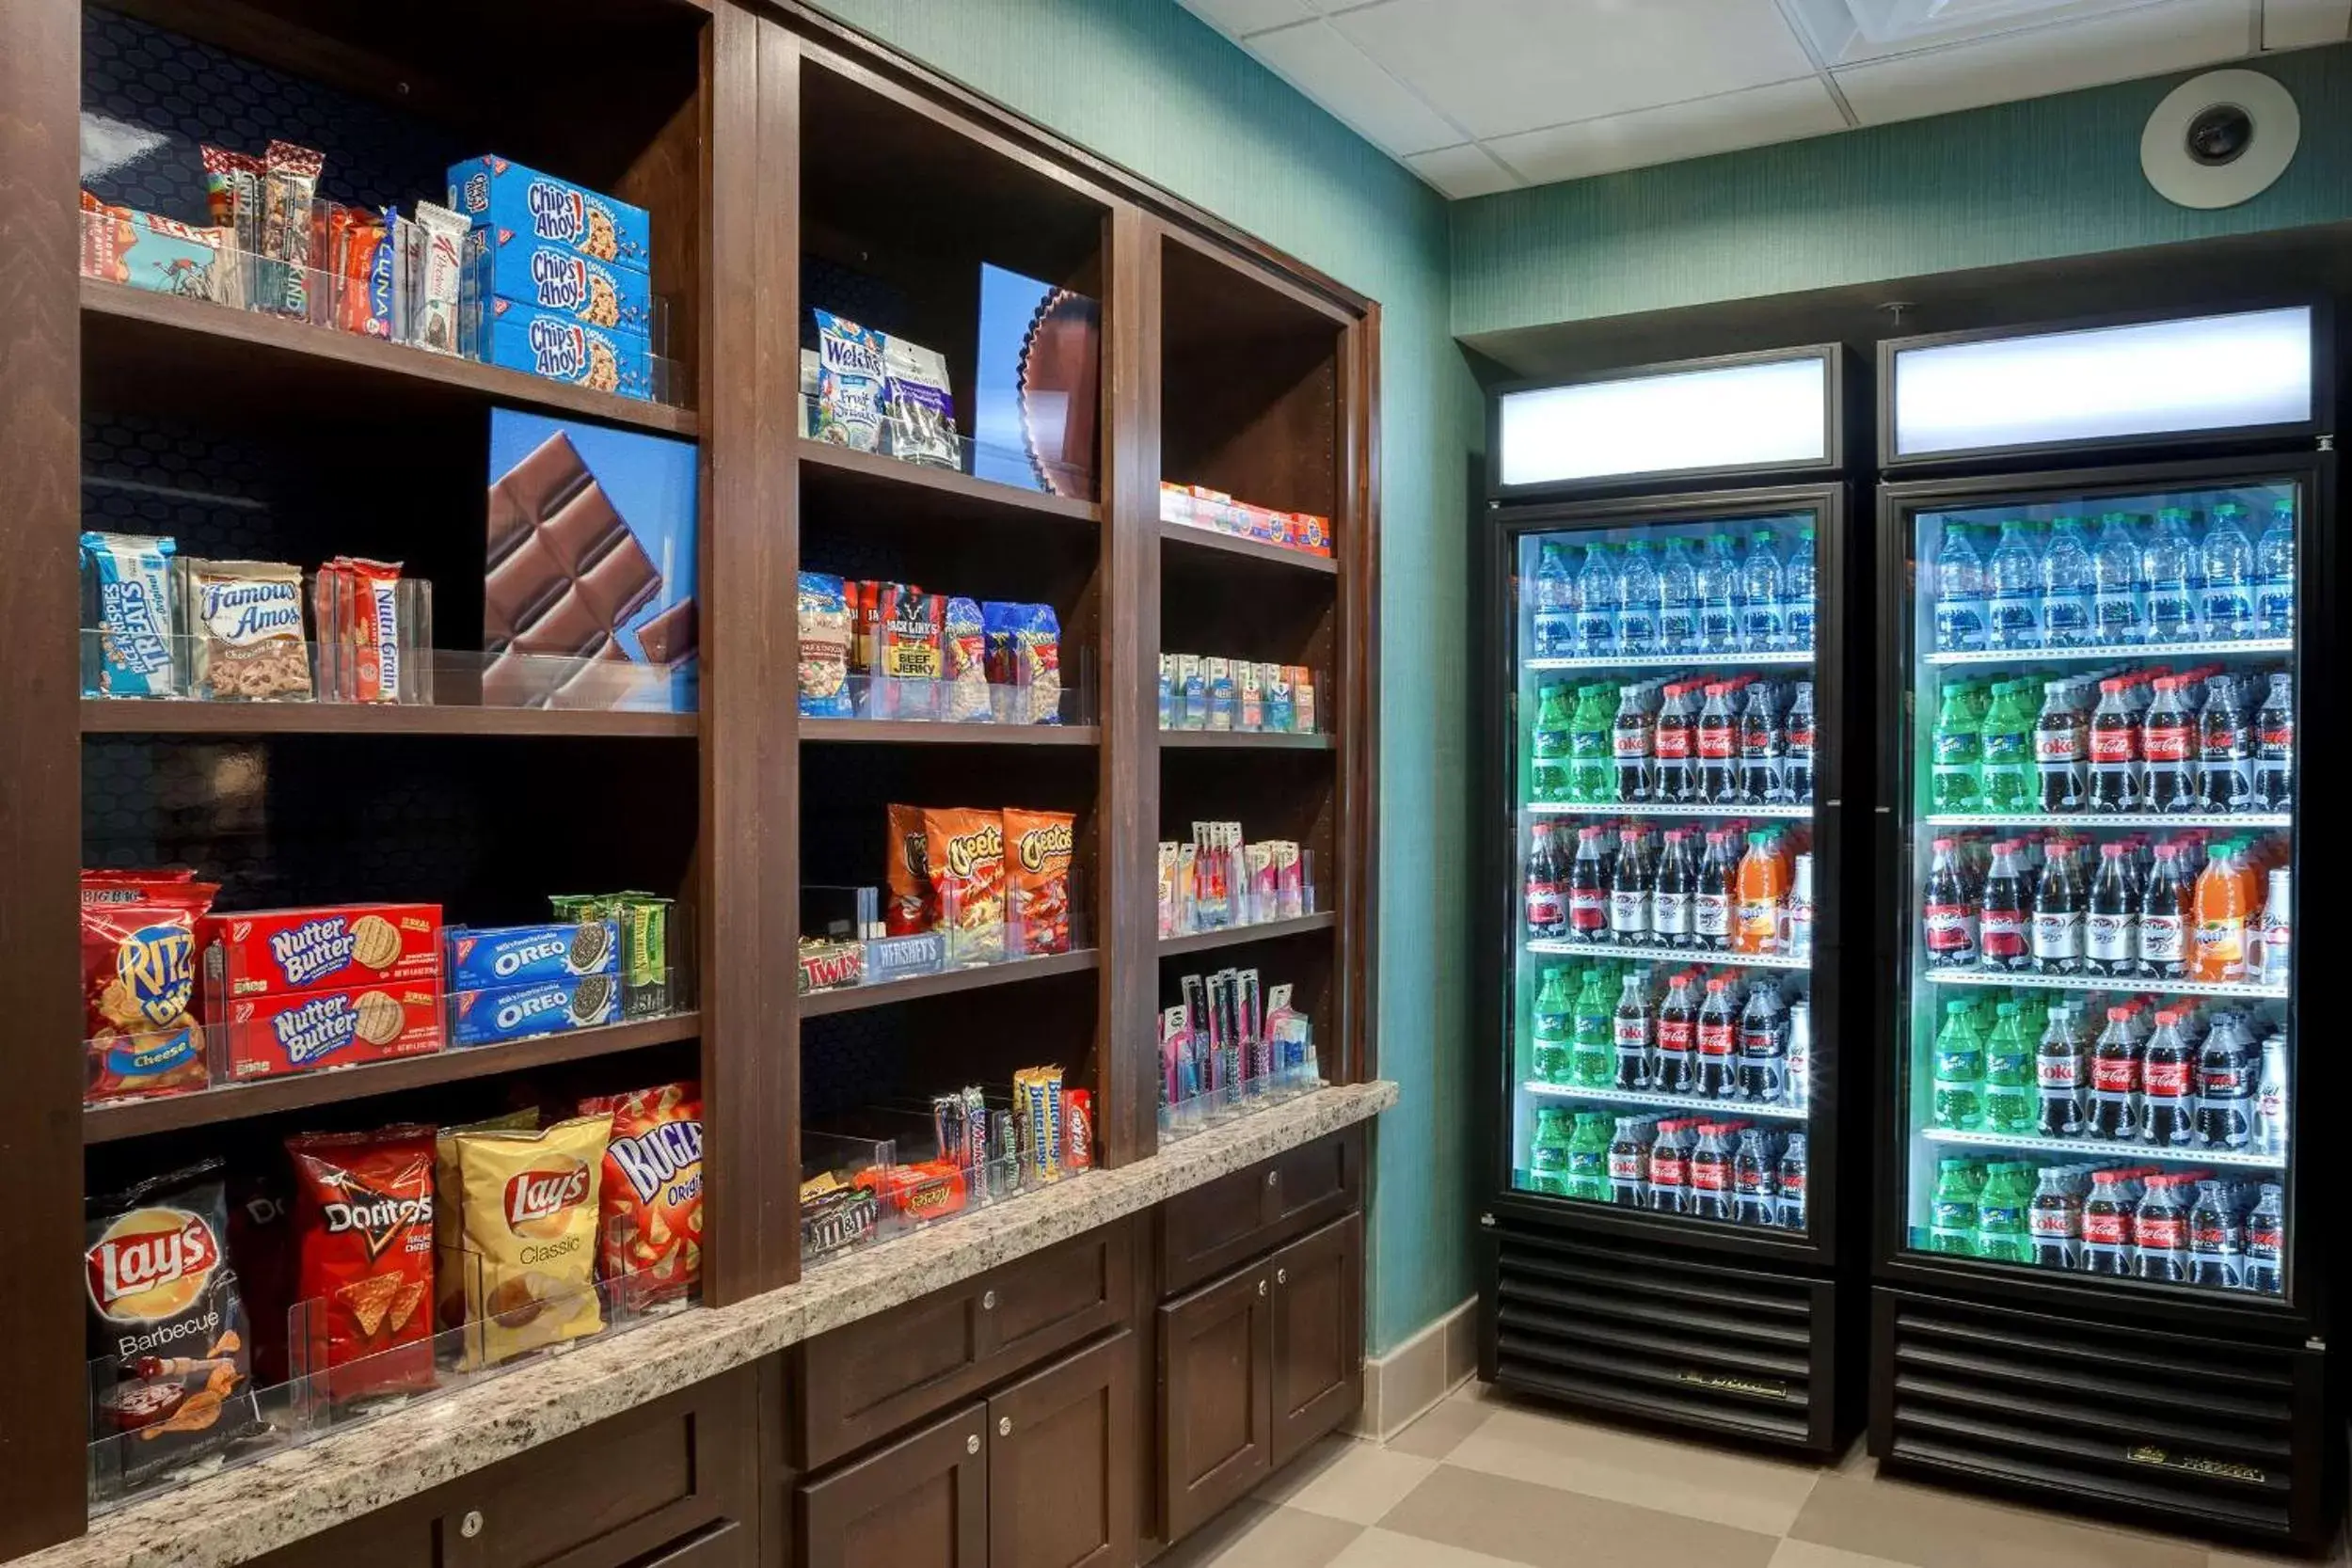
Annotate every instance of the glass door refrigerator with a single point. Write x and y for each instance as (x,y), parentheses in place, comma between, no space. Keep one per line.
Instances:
(1662,908)
(2098,1279)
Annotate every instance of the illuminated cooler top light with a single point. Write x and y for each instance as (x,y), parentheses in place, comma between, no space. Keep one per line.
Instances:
(1740,416)
(2210,373)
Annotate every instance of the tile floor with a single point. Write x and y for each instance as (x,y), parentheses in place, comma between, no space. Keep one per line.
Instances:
(1486,1480)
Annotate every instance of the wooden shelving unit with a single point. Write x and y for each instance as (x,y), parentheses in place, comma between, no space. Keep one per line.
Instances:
(1235,936)
(141,715)
(1187,536)
(1244,740)
(915,988)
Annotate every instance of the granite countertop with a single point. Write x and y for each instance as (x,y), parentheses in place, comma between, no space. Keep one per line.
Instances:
(241,1514)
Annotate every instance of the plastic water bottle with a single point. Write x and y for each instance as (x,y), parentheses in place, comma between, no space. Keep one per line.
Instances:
(1637,601)
(2229,561)
(2118,607)
(1553,620)
(1677,600)
(1958,593)
(1762,626)
(1596,605)
(1796,582)
(2016,607)
(2067,585)
(2165,568)
(1718,595)
(2274,574)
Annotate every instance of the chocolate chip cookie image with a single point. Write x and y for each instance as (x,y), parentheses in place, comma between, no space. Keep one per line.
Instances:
(604,367)
(603,243)
(604,302)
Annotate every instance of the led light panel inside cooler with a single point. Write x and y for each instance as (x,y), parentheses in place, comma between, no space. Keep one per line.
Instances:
(1740,416)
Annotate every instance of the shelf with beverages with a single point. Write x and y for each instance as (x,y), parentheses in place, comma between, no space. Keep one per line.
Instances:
(1689,659)
(2110,819)
(1697,1168)
(1637,888)
(1714,1039)
(1693,1102)
(1564,808)
(1982,656)
(2102,1148)
(2100,982)
(1674,746)
(1617,602)
(1646,952)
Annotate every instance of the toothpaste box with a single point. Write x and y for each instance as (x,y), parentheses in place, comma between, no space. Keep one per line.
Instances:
(278,952)
(269,1036)
(495,193)
(546,1008)
(550,343)
(557,278)
(493,958)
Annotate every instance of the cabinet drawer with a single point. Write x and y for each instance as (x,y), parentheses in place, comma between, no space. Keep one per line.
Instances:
(922,1502)
(1218,1226)
(864,1382)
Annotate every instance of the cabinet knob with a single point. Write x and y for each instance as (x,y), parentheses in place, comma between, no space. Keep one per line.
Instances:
(1004,1426)
(988,1300)
(972,1444)
(470,1525)
(1274,1179)
(1281,1276)
(1262,1287)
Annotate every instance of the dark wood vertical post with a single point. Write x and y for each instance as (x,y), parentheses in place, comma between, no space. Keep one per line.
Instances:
(1356,884)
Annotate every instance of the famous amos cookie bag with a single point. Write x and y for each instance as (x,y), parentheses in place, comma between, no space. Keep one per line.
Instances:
(138,983)
(652,1195)
(363,1228)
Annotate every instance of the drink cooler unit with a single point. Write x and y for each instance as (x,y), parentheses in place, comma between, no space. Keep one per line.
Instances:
(2165,1404)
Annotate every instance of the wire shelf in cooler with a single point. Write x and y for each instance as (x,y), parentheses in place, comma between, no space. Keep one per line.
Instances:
(1643,808)
(2132,983)
(2096,1148)
(2152,650)
(1673,662)
(1665,955)
(2107,819)
(1695,1103)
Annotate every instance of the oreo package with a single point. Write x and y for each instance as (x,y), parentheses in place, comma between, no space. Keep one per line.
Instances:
(486,957)
(542,1007)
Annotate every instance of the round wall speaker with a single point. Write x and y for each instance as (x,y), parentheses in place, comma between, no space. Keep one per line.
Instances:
(2220,138)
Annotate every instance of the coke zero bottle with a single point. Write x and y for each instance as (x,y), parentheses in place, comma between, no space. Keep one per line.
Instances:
(1792,1162)
(1763,749)
(1763,1046)
(2225,1086)
(2274,748)
(1797,773)
(2216,1240)
(2266,1243)
(2225,751)
(1755,1196)
(2167,1086)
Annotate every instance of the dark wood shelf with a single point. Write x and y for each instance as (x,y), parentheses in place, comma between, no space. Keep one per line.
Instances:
(869,480)
(134,1118)
(1247,740)
(143,716)
(915,733)
(1252,549)
(852,999)
(1232,936)
(135,338)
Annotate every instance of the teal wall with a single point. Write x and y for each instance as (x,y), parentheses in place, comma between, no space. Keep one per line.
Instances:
(2017,181)
(1142,82)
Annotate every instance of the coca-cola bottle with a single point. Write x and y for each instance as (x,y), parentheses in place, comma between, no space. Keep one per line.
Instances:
(1588,889)
(2167,739)
(2274,747)
(2057,1079)
(1717,894)
(1949,915)
(2115,1078)
(2225,1086)
(1671,1071)
(2114,752)
(2163,935)
(2160,1232)
(1547,898)
(1718,782)
(1669,899)
(1716,1059)
(1630,742)
(1671,748)
(2059,751)
(2058,908)
(1797,772)
(1710,1170)
(2001,934)
(2167,1086)
(2217,1241)
(1629,1027)
(1629,892)
(2111,934)
(2107,1247)
(1763,749)
(2225,750)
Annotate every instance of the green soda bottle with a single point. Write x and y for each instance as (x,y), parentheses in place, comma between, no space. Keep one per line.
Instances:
(1593,1046)
(1591,752)
(1548,1160)
(1952,1211)
(1959,1070)
(1547,774)
(1551,1028)
(2005,751)
(1588,1158)
(2011,1098)
(1957,748)
(2001,1231)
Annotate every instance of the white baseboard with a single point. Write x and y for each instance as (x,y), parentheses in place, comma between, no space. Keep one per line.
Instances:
(1400,1386)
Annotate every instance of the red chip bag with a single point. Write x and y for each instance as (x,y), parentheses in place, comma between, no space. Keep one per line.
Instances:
(910,909)
(138,983)
(965,849)
(363,1224)
(1037,879)
(650,1224)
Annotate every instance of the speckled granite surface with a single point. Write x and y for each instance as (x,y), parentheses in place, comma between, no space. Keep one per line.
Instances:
(242,1513)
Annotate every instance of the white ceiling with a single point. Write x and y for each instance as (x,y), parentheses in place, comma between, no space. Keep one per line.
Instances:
(1478,95)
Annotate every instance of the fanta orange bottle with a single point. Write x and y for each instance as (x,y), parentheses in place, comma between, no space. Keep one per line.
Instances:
(2218,916)
(1763,882)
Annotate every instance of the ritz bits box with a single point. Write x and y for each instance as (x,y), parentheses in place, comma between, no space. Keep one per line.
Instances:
(506,197)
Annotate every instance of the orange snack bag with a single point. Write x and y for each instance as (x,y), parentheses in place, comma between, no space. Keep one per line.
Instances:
(966,852)
(1036,876)
(911,907)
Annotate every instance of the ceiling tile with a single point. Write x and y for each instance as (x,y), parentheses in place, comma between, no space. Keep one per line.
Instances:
(1335,73)
(2176,35)
(1239,18)
(1462,171)
(1784,111)
(1841,42)
(1498,66)
(2300,24)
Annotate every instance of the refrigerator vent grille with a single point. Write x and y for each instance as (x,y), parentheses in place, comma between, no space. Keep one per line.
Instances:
(1630,1328)
(2118,1418)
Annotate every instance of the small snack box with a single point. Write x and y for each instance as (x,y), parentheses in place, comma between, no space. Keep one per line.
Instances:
(499,193)
(556,278)
(545,1007)
(281,952)
(493,958)
(550,343)
(271,1035)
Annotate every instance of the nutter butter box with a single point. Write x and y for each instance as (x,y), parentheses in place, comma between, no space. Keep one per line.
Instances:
(269,1036)
(275,952)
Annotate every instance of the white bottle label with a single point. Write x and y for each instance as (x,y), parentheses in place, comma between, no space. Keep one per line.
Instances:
(2161,939)
(2057,935)
(1714,915)
(2108,938)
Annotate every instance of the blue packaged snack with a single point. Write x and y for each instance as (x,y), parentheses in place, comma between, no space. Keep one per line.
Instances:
(130,604)
(850,385)
(491,957)
(1024,657)
(824,617)
(544,343)
(546,1008)
(506,196)
(557,278)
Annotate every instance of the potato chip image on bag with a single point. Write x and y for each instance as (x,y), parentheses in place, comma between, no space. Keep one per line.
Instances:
(527,1236)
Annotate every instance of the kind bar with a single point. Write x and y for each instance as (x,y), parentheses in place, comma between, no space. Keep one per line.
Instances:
(527,1236)
(849,408)
(651,1214)
(564,571)
(138,983)
(545,1007)
(965,850)
(1037,876)
(825,636)
(271,952)
(290,182)
(363,1218)
(481,959)
(130,599)
(912,908)
(245,641)
(269,1036)
(169,1341)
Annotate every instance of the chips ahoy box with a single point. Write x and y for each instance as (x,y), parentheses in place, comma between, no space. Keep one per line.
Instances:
(549,343)
(553,276)
(511,199)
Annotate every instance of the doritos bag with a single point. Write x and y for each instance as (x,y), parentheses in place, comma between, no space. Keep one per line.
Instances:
(363,1224)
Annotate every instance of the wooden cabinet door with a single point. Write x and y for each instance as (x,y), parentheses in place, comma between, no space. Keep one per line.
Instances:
(1062,1492)
(1318,1334)
(1216,1390)
(1230,1221)
(922,1502)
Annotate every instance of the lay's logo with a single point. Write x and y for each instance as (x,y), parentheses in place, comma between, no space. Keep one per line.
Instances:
(537,1195)
(150,1264)
(557,211)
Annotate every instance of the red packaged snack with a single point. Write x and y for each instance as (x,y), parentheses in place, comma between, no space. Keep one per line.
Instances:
(363,1224)
(1037,879)
(1077,1129)
(368,619)
(922,1191)
(138,983)
(966,851)
(275,952)
(650,1217)
(269,1036)
(910,909)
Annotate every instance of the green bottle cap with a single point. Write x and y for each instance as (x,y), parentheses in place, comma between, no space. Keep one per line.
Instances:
(1956,1008)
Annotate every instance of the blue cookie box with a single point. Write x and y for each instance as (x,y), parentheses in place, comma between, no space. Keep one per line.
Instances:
(547,343)
(494,958)
(513,200)
(555,277)
(518,1012)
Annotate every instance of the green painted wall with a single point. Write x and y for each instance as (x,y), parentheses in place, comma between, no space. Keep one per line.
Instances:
(1142,82)
(2017,181)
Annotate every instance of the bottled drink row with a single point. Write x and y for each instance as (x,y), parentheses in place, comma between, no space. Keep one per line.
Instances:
(1714,1170)
(2184,1227)
(2174,578)
(1720,1036)
(1629,600)
(2201,740)
(1746,741)
(2147,911)
(1630,886)
(2174,1075)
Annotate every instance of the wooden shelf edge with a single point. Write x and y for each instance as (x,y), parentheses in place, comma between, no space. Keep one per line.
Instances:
(919,476)
(852,999)
(1247,740)
(134,1118)
(149,716)
(326,345)
(1232,936)
(891,731)
(1275,555)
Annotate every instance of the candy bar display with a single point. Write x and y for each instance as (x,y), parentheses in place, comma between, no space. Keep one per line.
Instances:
(1209,692)
(1224,1050)
(1216,880)
(889,649)
(1196,506)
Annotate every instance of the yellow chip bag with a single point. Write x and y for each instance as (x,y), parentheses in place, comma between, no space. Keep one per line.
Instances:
(449,1205)
(528,1236)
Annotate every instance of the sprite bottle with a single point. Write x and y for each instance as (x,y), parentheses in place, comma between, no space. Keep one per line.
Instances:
(2006,775)
(2011,1097)
(1548,1160)
(1952,1211)
(1588,1158)
(2001,1223)
(1957,748)
(1551,1028)
(1592,749)
(1959,1070)
(1593,1043)
(1547,774)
